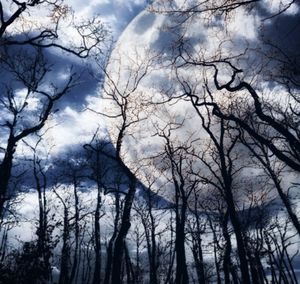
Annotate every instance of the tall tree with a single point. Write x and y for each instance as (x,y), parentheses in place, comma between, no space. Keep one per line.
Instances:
(26,70)
(119,91)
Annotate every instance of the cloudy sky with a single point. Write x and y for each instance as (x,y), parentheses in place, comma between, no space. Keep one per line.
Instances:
(75,124)
(251,36)
(72,124)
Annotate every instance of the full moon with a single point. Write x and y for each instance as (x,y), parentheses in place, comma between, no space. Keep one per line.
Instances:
(161,60)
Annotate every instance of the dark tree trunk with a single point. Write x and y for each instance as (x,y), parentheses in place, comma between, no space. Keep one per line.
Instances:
(65,253)
(239,237)
(5,173)
(255,276)
(109,259)
(216,248)
(198,258)
(129,269)
(42,231)
(197,245)
(169,276)
(286,202)
(3,244)
(227,263)
(97,269)
(118,250)
(227,180)
(150,236)
(153,258)
(181,266)
(76,225)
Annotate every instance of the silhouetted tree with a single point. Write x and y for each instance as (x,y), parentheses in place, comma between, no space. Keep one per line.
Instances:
(25,67)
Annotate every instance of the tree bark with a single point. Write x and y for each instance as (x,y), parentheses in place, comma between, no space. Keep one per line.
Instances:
(5,173)
(97,268)
(65,253)
(119,247)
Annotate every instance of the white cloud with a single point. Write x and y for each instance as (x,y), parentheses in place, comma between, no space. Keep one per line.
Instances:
(117,13)
(73,127)
(276,6)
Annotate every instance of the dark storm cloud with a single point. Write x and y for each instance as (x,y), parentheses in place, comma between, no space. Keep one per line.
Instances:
(282,34)
(84,85)
(22,58)
(79,160)
(279,42)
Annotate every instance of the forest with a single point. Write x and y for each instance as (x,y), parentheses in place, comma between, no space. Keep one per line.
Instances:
(149,141)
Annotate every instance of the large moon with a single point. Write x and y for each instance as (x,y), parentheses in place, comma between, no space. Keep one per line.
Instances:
(151,68)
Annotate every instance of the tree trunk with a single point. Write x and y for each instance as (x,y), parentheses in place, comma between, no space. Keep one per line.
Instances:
(239,237)
(227,250)
(76,220)
(65,253)
(129,269)
(107,277)
(181,266)
(118,250)
(216,245)
(227,178)
(197,249)
(5,173)
(286,202)
(97,269)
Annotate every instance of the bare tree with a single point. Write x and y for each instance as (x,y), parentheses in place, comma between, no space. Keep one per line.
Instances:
(241,86)
(99,172)
(197,227)
(274,169)
(19,127)
(119,92)
(149,212)
(178,158)
(13,14)
(24,63)
(45,243)
(223,169)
